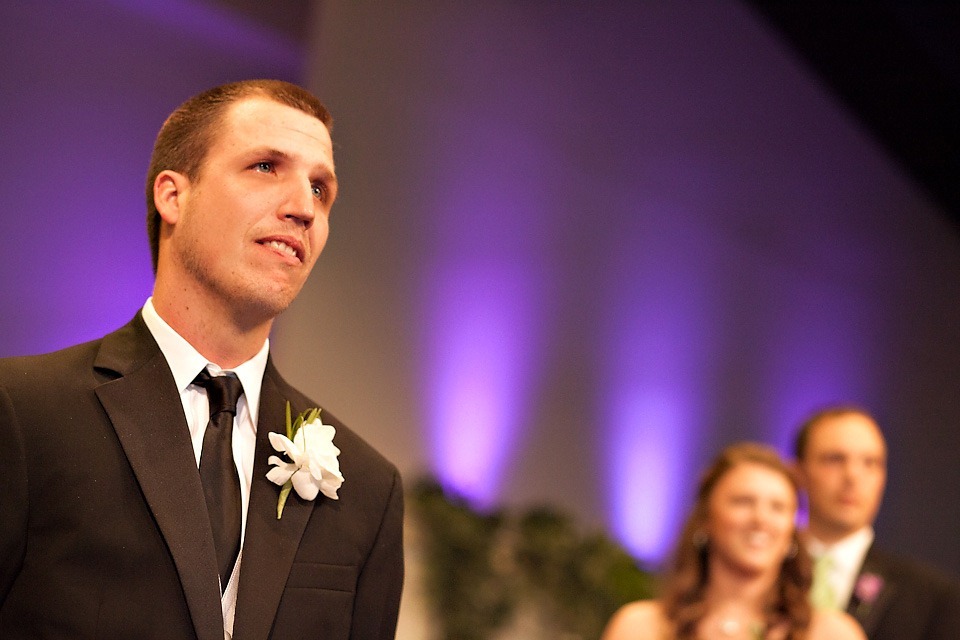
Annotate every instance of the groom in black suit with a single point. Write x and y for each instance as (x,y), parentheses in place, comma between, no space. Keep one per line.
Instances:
(115,519)
(841,458)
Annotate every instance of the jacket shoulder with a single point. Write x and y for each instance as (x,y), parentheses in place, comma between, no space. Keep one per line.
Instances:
(82,364)
(905,569)
(26,371)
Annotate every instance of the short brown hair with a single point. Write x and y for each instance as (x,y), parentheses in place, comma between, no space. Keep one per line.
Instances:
(687,578)
(831,411)
(188,133)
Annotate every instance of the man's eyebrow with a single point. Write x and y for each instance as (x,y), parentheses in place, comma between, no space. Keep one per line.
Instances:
(270,153)
(322,171)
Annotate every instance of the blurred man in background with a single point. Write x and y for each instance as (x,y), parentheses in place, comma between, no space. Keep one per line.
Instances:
(842,463)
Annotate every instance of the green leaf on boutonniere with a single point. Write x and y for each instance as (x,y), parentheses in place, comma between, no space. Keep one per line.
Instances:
(282,500)
(288,485)
(289,428)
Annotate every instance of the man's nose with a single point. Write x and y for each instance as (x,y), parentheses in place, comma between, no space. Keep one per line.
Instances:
(851,471)
(299,204)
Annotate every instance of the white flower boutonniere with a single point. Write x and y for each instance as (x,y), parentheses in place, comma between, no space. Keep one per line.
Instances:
(313,466)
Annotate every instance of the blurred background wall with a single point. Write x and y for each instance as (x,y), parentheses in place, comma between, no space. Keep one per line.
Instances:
(577,248)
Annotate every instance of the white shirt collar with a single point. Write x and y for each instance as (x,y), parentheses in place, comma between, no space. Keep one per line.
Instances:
(847,553)
(186,362)
(846,558)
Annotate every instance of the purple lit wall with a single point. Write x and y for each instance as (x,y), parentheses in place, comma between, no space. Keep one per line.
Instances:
(86,86)
(578,250)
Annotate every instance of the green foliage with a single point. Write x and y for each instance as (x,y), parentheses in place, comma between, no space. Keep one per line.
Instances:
(469,589)
(580,580)
(482,568)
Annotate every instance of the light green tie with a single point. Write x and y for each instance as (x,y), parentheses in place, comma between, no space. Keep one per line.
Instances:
(821,592)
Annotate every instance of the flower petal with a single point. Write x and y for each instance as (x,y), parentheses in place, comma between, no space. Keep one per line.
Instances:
(281,472)
(329,487)
(279,441)
(305,485)
(283,444)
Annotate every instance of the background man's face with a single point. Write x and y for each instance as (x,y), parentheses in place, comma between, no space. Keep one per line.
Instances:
(844,472)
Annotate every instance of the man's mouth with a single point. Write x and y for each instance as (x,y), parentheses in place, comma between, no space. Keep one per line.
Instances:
(284,247)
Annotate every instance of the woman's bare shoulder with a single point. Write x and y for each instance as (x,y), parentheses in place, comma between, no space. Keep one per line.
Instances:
(640,620)
(834,625)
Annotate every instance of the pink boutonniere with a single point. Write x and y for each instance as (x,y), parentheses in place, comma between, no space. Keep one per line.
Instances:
(867,588)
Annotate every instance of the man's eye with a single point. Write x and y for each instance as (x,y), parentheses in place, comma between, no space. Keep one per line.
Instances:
(319,191)
(265,167)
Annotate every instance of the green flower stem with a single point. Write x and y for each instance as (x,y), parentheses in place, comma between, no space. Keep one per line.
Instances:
(284,492)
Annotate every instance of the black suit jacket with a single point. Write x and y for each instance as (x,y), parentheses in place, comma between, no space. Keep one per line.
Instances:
(103,525)
(915,602)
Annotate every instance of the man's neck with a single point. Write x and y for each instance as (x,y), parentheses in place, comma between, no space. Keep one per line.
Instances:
(829,537)
(219,336)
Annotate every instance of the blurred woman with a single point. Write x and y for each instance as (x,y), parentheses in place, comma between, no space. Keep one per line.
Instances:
(740,571)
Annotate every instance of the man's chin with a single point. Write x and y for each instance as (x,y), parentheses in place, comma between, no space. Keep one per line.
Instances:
(263,308)
(847,526)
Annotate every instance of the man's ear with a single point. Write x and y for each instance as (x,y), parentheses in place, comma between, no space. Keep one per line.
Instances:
(169,193)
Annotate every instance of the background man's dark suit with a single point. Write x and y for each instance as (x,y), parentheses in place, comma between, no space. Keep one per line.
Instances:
(915,603)
(102,511)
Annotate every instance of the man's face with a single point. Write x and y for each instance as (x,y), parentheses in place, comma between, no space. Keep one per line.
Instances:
(844,472)
(251,225)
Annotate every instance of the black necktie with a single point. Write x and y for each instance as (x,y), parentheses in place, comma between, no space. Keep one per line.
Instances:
(218,473)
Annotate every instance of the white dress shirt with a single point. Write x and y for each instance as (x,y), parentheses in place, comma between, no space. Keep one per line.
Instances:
(185,363)
(847,557)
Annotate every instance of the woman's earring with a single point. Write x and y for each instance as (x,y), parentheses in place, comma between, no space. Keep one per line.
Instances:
(793,550)
(700,538)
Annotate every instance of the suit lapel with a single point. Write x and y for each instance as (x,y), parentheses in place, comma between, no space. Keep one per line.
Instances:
(866,603)
(145,409)
(269,544)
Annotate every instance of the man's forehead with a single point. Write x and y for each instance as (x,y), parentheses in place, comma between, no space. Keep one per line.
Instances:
(260,119)
(847,431)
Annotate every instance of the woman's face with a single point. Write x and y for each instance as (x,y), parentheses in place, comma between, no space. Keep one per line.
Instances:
(751,516)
